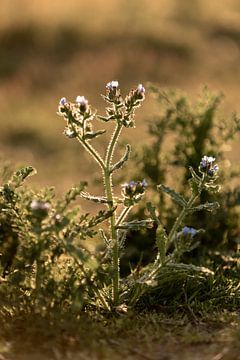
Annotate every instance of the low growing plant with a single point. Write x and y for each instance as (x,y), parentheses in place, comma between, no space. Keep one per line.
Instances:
(42,246)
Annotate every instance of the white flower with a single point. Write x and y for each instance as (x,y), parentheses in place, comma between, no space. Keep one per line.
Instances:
(112,85)
(140,89)
(81,101)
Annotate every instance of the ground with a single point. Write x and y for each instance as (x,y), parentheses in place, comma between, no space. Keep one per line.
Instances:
(149,336)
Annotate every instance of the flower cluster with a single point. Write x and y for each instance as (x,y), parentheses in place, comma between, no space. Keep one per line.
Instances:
(121,110)
(206,166)
(113,94)
(77,114)
(133,191)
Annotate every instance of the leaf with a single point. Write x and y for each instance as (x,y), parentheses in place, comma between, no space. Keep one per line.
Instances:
(96,199)
(125,158)
(161,242)
(20,175)
(76,252)
(207,206)
(92,135)
(104,238)
(178,198)
(195,175)
(194,186)
(136,224)
(213,189)
(74,192)
(152,211)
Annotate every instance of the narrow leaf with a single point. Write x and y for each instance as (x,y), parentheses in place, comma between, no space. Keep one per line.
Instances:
(207,206)
(136,224)
(125,158)
(178,198)
(96,199)
(161,242)
(92,135)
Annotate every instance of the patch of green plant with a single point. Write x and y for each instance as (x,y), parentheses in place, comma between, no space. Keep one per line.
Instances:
(46,261)
(181,134)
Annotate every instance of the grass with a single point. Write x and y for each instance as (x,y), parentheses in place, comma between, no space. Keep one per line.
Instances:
(150,336)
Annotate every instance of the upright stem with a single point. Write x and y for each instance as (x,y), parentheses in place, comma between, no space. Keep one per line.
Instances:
(92,151)
(109,195)
(182,214)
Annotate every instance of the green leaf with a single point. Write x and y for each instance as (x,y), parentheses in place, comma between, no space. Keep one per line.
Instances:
(20,175)
(92,135)
(96,199)
(125,158)
(152,211)
(161,242)
(195,176)
(194,186)
(207,206)
(136,224)
(178,198)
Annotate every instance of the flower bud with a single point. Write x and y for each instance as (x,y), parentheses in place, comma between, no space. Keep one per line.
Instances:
(140,92)
(112,85)
(40,208)
(83,103)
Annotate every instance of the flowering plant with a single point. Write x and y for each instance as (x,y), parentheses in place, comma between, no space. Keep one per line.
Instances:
(79,119)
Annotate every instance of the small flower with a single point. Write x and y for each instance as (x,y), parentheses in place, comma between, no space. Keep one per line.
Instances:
(144,183)
(112,85)
(82,102)
(134,188)
(212,171)
(40,208)
(206,166)
(62,101)
(189,231)
(39,205)
(206,162)
(140,90)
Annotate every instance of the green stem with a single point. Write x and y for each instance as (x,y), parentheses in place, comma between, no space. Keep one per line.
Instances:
(109,195)
(180,218)
(183,213)
(123,215)
(92,151)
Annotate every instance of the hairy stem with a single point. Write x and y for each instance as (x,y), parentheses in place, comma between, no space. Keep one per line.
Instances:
(92,152)
(180,218)
(109,195)
(123,215)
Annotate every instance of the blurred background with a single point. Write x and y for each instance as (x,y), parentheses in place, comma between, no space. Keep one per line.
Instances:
(51,49)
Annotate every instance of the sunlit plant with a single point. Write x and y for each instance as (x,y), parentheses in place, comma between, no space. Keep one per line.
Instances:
(125,292)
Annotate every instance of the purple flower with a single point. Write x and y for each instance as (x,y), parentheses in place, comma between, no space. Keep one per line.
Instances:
(212,171)
(63,101)
(134,188)
(189,231)
(206,162)
(206,165)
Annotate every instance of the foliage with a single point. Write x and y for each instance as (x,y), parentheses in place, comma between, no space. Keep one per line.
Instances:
(46,261)
(181,134)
